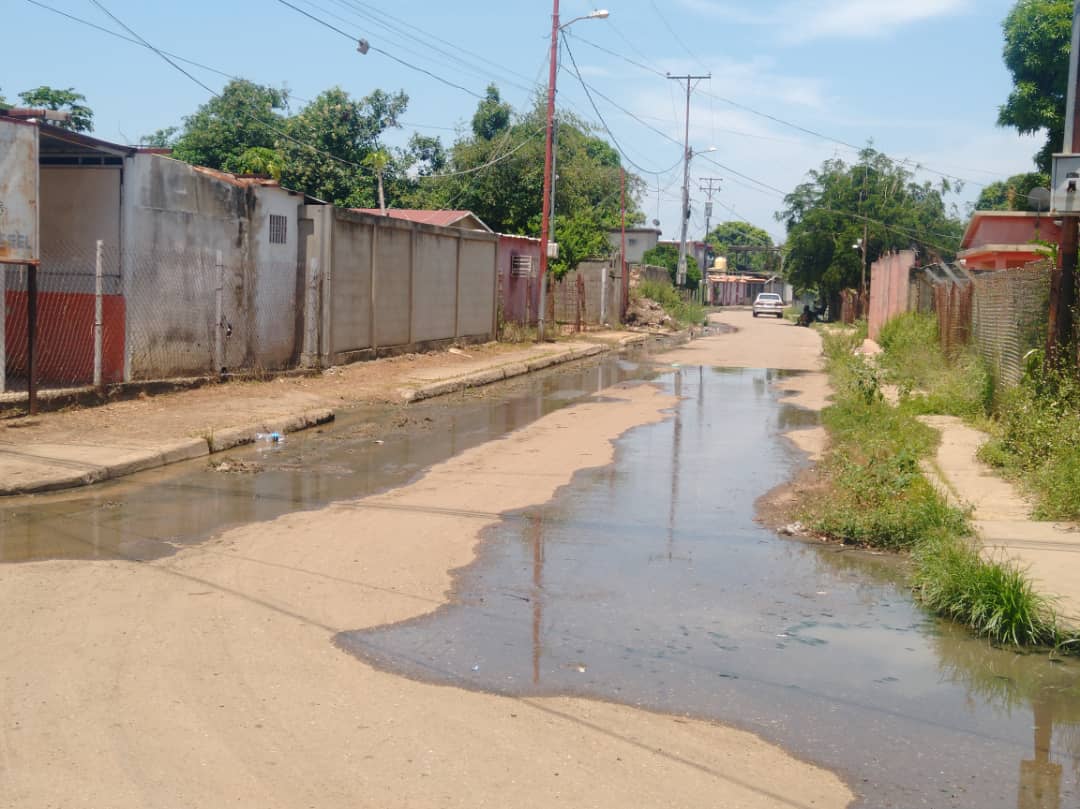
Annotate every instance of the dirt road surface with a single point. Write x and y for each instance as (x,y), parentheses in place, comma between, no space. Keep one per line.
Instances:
(210,678)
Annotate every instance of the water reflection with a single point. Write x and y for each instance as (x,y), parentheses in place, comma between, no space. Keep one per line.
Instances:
(817,648)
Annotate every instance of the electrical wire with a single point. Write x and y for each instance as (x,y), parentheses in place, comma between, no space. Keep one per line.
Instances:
(782,121)
(378,50)
(603,123)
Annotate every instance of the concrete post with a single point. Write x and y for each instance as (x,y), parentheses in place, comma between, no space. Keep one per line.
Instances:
(412,284)
(219,330)
(603,295)
(457,290)
(98,315)
(374,310)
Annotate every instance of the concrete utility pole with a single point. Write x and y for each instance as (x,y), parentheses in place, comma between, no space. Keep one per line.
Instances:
(709,185)
(1063,280)
(680,277)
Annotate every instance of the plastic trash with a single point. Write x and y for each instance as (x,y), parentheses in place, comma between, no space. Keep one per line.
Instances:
(272,438)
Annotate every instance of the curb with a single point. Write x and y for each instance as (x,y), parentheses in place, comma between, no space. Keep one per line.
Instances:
(489,376)
(168,453)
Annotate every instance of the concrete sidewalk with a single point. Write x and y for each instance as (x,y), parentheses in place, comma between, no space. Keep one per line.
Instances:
(79,447)
(1049,550)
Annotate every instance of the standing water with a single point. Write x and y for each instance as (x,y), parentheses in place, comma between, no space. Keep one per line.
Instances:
(645,582)
(648,582)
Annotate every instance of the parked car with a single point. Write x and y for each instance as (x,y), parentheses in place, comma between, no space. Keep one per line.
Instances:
(768,303)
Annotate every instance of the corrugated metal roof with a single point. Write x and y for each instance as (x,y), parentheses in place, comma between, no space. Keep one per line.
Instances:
(446,219)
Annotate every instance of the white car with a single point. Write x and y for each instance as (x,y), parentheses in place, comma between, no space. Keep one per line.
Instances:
(769,303)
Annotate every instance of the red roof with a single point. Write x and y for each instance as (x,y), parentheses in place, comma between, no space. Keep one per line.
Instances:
(446,219)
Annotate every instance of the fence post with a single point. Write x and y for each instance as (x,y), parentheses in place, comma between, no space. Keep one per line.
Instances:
(219,332)
(31,337)
(3,326)
(603,295)
(98,314)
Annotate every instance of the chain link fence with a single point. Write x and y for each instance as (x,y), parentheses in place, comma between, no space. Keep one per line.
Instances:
(104,316)
(1009,317)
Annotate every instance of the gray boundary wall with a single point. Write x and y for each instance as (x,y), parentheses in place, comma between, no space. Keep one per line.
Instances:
(602,287)
(376,286)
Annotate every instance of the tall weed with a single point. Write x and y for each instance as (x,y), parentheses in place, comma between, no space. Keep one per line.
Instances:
(685,313)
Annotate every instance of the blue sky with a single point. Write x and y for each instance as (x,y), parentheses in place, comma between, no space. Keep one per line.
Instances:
(922,78)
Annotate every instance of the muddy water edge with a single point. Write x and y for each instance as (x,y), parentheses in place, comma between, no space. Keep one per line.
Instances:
(646,582)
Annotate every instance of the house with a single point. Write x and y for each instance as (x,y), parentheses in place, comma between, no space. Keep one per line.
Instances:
(639,241)
(999,240)
(446,219)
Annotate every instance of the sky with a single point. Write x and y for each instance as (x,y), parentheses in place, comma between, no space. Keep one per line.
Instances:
(792,82)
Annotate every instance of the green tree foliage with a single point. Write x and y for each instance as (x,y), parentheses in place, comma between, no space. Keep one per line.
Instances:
(258,160)
(1011,194)
(501,180)
(492,115)
(51,98)
(823,224)
(1038,39)
(728,235)
(244,116)
(164,138)
(667,256)
(346,129)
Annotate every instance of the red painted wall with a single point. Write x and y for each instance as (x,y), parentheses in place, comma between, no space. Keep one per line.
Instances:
(65,337)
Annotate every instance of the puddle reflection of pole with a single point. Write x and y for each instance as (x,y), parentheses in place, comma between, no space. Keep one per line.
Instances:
(1040,779)
(536,537)
(675,449)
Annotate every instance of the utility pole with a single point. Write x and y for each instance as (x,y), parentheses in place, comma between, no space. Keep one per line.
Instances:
(1063,279)
(546,204)
(680,277)
(709,185)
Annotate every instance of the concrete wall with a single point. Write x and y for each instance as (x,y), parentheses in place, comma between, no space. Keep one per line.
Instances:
(176,220)
(639,241)
(376,285)
(890,281)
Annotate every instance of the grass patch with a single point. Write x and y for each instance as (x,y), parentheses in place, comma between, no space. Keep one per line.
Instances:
(994,599)
(1037,440)
(879,497)
(928,381)
(685,313)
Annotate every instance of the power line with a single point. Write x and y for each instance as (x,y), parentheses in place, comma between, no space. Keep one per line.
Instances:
(614,140)
(385,53)
(777,119)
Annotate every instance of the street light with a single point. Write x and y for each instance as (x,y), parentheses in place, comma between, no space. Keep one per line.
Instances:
(545,213)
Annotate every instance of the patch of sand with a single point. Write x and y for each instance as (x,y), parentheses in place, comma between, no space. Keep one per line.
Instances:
(209,679)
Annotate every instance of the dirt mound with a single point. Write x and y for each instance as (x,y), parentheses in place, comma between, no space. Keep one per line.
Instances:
(647,313)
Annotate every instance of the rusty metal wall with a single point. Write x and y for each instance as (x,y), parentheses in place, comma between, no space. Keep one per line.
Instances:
(1009,317)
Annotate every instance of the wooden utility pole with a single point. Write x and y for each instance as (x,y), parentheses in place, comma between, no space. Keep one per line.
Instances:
(1063,280)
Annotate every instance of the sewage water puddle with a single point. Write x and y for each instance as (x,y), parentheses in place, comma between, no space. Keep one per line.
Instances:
(649,583)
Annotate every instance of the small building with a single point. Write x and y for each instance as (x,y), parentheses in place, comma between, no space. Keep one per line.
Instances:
(444,219)
(518,259)
(639,241)
(1000,240)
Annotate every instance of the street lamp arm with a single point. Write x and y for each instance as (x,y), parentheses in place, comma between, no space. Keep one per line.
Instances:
(599,14)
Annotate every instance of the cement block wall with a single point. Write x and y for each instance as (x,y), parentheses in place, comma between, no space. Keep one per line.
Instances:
(380,285)
(176,220)
(602,287)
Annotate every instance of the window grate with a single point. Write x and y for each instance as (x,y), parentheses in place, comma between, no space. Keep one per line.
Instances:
(278,229)
(521,267)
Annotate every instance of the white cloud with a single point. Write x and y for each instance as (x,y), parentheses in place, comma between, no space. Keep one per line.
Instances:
(850,19)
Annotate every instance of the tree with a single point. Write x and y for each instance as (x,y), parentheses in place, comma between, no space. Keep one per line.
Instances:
(164,138)
(343,132)
(378,161)
(50,98)
(727,235)
(258,160)
(501,179)
(492,115)
(827,216)
(1038,39)
(244,116)
(667,256)
(1011,194)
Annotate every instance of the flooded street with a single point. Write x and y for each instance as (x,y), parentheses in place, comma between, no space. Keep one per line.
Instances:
(645,582)
(649,583)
